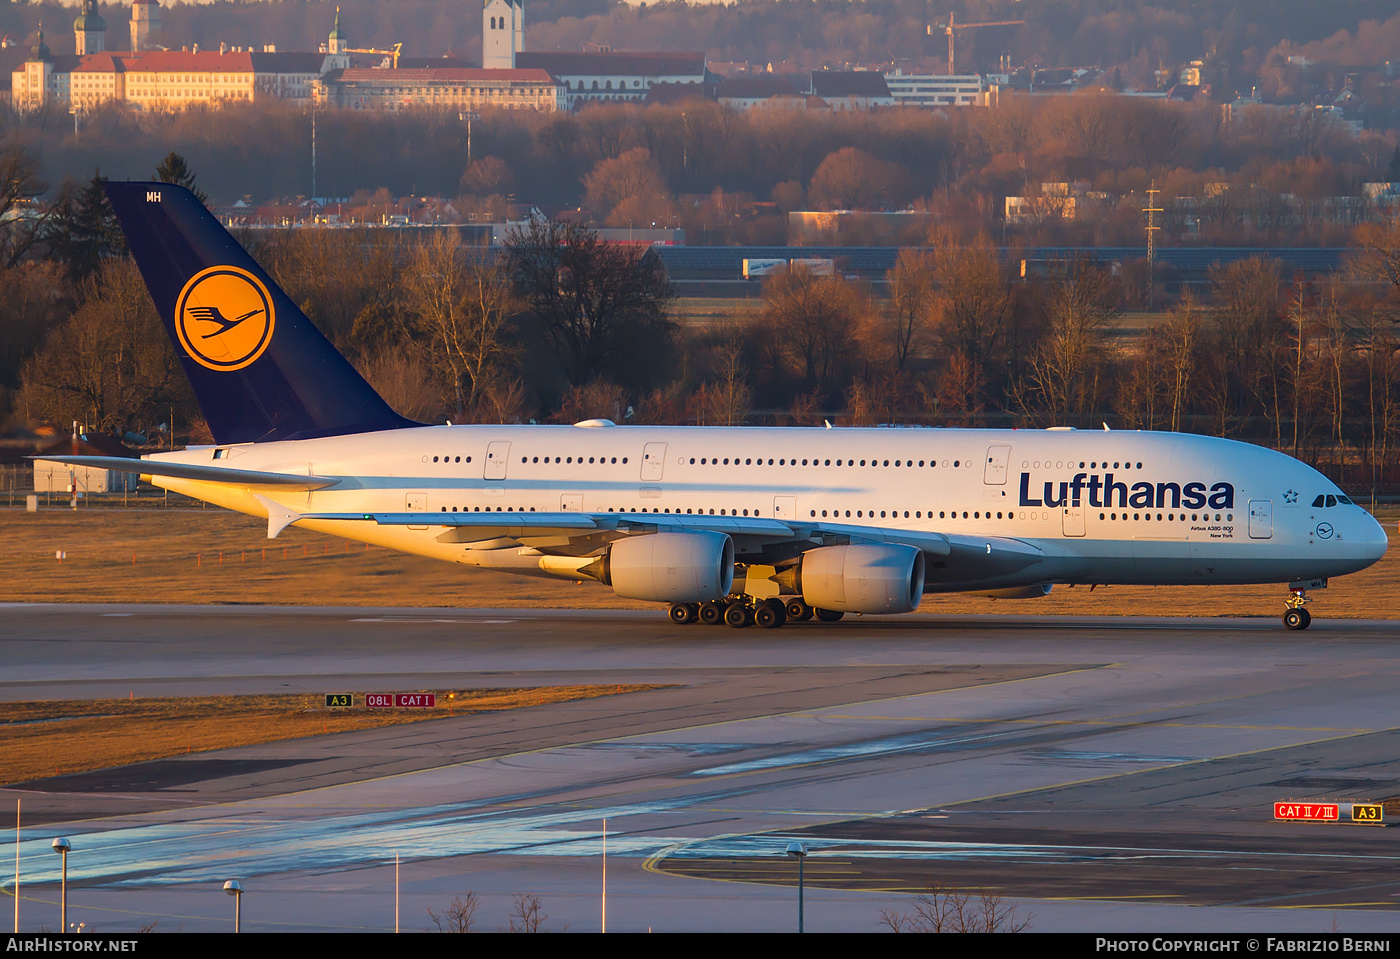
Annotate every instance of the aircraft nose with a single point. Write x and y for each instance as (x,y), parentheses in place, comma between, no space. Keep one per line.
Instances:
(1375,539)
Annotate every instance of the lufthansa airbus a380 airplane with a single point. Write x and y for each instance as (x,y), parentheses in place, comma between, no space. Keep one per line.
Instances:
(735,525)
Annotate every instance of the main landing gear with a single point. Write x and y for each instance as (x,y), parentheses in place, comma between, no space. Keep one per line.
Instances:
(741,612)
(1296,616)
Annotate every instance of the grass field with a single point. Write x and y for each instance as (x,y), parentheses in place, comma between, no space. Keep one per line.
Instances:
(59,737)
(214,556)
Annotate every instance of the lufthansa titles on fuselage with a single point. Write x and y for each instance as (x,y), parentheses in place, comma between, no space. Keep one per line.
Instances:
(1103,490)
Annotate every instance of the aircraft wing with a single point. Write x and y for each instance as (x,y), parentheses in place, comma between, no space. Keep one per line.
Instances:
(492,525)
(252,479)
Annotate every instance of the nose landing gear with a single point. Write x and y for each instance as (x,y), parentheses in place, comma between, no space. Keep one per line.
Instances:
(1296,616)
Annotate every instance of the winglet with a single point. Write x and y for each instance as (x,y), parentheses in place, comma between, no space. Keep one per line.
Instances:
(279,517)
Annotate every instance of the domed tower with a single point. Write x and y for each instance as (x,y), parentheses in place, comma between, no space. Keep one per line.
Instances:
(338,43)
(89,30)
(40,51)
(145,23)
(31,84)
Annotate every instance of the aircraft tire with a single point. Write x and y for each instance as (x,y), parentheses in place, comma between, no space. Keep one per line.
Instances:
(798,610)
(683,614)
(737,616)
(829,615)
(769,614)
(1297,619)
(712,614)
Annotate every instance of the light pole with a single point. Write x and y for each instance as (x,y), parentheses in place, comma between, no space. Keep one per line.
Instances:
(799,852)
(234,889)
(62,847)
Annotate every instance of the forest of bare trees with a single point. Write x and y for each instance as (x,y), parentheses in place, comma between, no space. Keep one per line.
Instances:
(558,326)
(1262,178)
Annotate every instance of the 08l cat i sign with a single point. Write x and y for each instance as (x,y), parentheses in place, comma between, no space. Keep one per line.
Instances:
(1306,811)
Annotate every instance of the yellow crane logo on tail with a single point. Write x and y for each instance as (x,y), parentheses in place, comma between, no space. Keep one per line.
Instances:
(224,318)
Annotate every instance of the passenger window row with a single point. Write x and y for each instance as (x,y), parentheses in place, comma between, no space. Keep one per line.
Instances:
(600,460)
(1171,517)
(1059,465)
(750,461)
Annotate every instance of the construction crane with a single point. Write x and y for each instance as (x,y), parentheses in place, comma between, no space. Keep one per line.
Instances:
(950,27)
(394,53)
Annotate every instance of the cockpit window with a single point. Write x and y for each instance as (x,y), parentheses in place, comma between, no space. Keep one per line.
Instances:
(1344,501)
(1319,501)
(1331,501)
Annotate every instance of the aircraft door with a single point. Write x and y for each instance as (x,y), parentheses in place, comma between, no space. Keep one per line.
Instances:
(995,472)
(571,502)
(653,461)
(785,507)
(1073,520)
(497,455)
(1261,519)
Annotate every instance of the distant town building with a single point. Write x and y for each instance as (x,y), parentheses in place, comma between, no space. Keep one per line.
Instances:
(155,79)
(928,90)
(604,76)
(358,88)
(760,90)
(148,77)
(851,89)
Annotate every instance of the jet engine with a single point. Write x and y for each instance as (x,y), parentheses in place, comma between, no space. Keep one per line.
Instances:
(668,567)
(860,579)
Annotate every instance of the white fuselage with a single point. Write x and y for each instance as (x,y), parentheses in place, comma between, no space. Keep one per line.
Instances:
(1104,507)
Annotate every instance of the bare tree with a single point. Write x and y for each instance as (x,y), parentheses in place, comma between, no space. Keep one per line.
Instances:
(1179,336)
(460,916)
(976,305)
(904,326)
(942,908)
(526,914)
(19,186)
(1064,375)
(811,319)
(599,303)
(464,308)
(110,365)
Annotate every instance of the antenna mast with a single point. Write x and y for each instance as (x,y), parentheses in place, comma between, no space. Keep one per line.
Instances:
(1152,209)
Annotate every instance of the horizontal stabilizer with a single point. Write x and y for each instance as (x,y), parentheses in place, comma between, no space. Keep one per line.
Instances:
(252,479)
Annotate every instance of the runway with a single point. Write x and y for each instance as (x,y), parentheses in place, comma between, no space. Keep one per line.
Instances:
(1103,774)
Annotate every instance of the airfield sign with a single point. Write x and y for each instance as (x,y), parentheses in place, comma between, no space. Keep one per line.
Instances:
(1306,811)
(401,700)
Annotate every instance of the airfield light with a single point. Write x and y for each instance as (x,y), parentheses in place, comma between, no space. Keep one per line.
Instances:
(62,847)
(799,852)
(235,889)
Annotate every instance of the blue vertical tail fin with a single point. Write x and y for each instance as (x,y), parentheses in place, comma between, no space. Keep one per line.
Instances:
(260,370)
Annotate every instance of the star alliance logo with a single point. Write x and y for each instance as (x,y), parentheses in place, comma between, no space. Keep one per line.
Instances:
(1290,497)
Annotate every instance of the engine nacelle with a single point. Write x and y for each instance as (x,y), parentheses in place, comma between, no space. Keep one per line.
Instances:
(862,579)
(671,567)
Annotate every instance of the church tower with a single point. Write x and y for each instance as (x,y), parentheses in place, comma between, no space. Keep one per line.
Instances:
(502,33)
(89,30)
(145,23)
(337,42)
